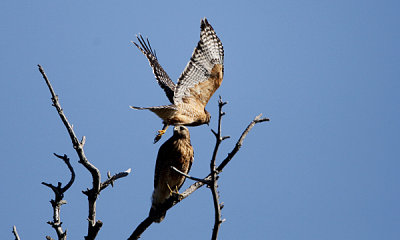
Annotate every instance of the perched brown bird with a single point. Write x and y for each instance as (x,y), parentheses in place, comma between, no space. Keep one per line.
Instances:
(198,82)
(177,152)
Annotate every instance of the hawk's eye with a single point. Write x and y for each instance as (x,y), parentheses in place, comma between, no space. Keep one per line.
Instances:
(181,128)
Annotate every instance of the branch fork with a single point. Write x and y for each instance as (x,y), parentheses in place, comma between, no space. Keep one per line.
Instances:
(58,200)
(97,186)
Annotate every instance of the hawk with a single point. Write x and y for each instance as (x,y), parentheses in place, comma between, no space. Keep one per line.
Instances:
(199,80)
(177,152)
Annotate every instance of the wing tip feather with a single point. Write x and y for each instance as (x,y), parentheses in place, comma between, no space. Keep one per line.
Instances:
(204,23)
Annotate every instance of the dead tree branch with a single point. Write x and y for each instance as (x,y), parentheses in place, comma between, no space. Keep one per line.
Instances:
(111,179)
(192,188)
(14,231)
(173,200)
(141,228)
(58,201)
(190,177)
(92,194)
(239,143)
(214,174)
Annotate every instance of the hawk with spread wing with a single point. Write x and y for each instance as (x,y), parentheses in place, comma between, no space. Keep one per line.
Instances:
(175,152)
(199,80)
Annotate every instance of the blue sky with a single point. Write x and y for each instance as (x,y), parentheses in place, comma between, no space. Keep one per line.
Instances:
(325,72)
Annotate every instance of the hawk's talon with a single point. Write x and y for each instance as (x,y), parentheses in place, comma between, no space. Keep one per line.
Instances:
(170,190)
(161,132)
(159,135)
(175,193)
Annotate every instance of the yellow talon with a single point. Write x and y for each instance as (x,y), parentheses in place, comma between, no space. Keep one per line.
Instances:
(159,135)
(175,193)
(170,190)
(161,132)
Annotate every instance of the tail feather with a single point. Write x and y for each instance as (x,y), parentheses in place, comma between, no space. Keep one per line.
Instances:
(138,108)
(164,112)
(156,214)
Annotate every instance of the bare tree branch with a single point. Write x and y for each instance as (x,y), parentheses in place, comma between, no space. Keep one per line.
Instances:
(92,194)
(213,173)
(111,179)
(221,166)
(170,202)
(67,162)
(14,231)
(239,143)
(78,146)
(141,228)
(190,177)
(173,200)
(58,199)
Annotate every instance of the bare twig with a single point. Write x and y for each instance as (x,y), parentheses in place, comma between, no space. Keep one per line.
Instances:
(111,179)
(58,199)
(213,173)
(92,194)
(172,201)
(239,143)
(190,177)
(67,162)
(192,188)
(14,231)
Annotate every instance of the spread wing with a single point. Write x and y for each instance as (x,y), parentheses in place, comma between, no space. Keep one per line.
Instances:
(162,77)
(204,72)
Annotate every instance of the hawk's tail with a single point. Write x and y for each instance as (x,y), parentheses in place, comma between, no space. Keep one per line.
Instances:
(139,108)
(157,214)
(164,112)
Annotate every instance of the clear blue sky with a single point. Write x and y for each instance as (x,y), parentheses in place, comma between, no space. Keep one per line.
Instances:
(327,73)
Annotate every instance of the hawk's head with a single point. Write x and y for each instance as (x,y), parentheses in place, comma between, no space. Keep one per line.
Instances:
(181,131)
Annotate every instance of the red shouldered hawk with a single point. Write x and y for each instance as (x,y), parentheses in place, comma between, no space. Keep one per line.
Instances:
(199,80)
(177,152)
